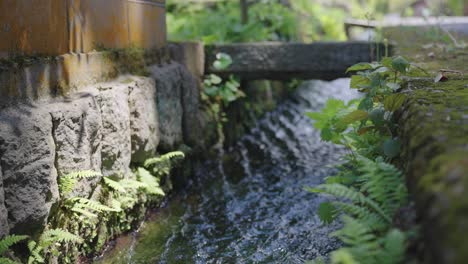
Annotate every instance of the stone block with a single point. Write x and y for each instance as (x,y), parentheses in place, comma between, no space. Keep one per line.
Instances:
(144,119)
(77,134)
(169,93)
(27,159)
(115,114)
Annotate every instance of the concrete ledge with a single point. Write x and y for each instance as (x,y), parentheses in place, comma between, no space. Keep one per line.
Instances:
(434,131)
(36,78)
(282,61)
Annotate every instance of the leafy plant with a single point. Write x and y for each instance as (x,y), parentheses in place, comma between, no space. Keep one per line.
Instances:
(68,182)
(217,90)
(49,243)
(5,245)
(369,190)
(269,20)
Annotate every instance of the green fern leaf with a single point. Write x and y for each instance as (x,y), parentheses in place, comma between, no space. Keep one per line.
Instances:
(342,256)
(9,241)
(7,261)
(151,182)
(58,235)
(132,184)
(81,211)
(345,192)
(82,174)
(68,182)
(114,185)
(83,203)
(393,248)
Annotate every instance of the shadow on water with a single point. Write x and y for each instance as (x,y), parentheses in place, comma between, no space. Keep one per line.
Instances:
(249,206)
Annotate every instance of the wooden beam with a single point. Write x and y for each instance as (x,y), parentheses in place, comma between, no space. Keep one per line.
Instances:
(283,61)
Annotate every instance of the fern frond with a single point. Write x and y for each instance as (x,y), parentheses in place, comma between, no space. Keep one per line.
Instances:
(114,185)
(9,241)
(58,235)
(68,182)
(151,182)
(132,184)
(82,174)
(174,154)
(374,221)
(35,253)
(81,211)
(87,204)
(7,261)
(393,248)
(345,192)
(342,256)
(162,158)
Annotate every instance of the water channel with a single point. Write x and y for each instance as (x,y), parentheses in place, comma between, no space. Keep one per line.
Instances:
(249,206)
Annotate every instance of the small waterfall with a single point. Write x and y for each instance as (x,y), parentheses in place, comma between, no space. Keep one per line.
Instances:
(250,206)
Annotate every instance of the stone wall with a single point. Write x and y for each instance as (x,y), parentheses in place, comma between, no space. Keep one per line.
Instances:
(105,126)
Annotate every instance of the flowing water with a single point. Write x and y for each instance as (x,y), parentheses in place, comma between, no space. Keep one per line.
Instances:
(249,206)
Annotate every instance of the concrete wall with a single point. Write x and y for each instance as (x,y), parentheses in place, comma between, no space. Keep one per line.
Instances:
(54,27)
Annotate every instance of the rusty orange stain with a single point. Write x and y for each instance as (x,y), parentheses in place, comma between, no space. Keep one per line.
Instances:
(53,27)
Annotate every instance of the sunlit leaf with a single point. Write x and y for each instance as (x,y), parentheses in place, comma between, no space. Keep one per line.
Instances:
(356,115)
(359,81)
(394,101)
(223,61)
(359,67)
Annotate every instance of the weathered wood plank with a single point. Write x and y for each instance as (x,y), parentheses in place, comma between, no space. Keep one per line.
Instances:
(283,61)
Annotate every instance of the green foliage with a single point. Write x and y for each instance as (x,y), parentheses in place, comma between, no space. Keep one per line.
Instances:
(73,228)
(151,183)
(369,190)
(5,245)
(161,166)
(357,124)
(49,243)
(269,20)
(9,241)
(68,182)
(218,91)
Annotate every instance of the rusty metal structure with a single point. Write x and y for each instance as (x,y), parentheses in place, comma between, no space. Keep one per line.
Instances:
(54,27)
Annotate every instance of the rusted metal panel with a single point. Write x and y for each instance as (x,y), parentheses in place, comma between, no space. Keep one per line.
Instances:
(54,27)
(98,23)
(147,20)
(33,27)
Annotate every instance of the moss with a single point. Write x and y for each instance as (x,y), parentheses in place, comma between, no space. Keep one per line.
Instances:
(434,128)
(430,47)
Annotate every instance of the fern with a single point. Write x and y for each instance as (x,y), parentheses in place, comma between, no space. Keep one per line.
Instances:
(132,184)
(9,241)
(393,248)
(151,182)
(168,156)
(161,166)
(58,235)
(7,261)
(87,204)
(68,182)
(114,185)
(342,191)
(49,239)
